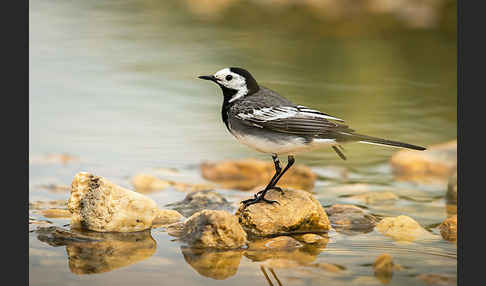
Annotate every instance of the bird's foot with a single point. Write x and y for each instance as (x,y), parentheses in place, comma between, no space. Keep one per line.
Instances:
(258,198)
(271,188)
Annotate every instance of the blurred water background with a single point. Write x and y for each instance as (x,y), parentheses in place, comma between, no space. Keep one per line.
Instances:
(114,83)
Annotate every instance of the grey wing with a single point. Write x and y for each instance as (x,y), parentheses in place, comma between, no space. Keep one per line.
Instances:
(297,120)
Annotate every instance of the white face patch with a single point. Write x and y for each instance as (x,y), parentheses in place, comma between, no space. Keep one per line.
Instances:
(232,80)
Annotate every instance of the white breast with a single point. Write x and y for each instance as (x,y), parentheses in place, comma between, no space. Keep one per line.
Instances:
(290,146)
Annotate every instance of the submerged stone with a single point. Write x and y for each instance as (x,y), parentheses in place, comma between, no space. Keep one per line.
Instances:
(201,200)
(350,218)
(296,212)
(383,268)
(437,163)
(249,174)
(448,228)
(56,213)
(213,229)
(99,205)
(371,198)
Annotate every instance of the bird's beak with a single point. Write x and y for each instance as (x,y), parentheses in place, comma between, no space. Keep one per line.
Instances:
(208,77)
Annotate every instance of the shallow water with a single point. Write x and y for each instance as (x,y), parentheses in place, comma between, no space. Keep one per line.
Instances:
(115,84)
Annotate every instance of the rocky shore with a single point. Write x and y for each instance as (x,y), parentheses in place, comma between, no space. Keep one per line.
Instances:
(108,223)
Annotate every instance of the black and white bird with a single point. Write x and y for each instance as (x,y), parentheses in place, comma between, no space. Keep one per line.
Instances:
(264,120)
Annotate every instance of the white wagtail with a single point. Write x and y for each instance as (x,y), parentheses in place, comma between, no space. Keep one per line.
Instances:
(264,120)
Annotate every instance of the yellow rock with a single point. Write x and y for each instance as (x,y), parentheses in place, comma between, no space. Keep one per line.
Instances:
(297,212)
(437,163)
(213,229)
(248,174)
(166,217)
(448,228)
(56,213)
(402,228)
(145,183)
(99,205)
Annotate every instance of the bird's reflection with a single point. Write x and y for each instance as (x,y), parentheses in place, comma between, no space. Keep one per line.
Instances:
(95,252)
(262,268)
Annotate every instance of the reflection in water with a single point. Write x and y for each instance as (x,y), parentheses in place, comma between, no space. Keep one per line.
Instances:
(115,251)
(274,276)
(220,264)
(95,252)
(214,264)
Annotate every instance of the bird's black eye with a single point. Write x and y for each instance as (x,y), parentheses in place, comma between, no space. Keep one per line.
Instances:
(229,77)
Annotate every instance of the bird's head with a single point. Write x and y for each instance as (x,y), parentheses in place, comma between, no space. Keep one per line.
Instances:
(235,82)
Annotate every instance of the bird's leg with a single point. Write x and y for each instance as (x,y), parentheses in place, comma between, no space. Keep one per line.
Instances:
(271,184)
(289,164)
(260,196)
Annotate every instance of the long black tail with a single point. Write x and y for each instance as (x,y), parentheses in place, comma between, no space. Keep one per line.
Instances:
(379,141)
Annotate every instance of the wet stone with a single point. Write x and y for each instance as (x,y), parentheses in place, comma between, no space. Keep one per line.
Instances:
(201,200)
(166,217)
(264,219)
(98,204)
(432,279)
(249,174)
(451,195)
(213,229)
(211,263)
(448,228)
(40,205)
(403,228)
(350,219)
(371,198)
(437,163)
(56,213)
(383,268)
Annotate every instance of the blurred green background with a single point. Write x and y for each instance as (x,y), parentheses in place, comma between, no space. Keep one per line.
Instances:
(115,82)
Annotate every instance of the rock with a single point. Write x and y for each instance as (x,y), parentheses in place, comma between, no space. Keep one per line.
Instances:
(53,158)
(115,250)
(175,229)
(56,213)
(40,205)
(451,195)
(297,212)
(448,228)
(334,268)
(218,265)
(383,268)
(402,228)
(249,174)
(372,198)
(166,217)
(437,163)
(55,188)
(37,223)
(99,205)
(350,218)
(309,238)
(213,229)
(144,183)
(201,200)
(437,279)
